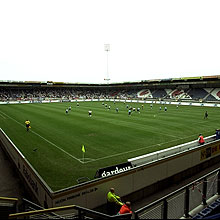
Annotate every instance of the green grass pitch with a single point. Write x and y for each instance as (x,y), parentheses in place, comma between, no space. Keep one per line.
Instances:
(109,137)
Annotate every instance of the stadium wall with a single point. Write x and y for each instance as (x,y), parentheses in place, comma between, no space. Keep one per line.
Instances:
(133,182)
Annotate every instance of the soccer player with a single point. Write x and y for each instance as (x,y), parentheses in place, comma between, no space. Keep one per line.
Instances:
(206,115)
(160,108)
(90,113)
(142,106)
(70,108)
(116,110)
(67,111)
(151,106)
(27,122)
(165,108)
(138,110)
(77,104)
(129,112)
(109,107)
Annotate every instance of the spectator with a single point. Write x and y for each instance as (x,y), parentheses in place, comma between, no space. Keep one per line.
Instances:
(201,139)
(217,134)
(113,202)
(126,208)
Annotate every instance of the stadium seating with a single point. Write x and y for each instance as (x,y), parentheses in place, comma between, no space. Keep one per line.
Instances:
(159,93)
(144,93)
(24,94)
(175,94)
(198,94)
(214,95)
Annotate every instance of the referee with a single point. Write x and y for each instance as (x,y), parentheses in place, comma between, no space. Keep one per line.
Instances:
(27,122)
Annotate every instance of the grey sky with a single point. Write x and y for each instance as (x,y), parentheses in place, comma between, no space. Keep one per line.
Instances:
(64,41)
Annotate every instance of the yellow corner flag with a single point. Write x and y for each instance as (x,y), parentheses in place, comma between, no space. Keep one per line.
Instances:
(83,149)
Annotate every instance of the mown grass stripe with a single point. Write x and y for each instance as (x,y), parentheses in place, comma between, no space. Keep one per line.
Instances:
(44,138)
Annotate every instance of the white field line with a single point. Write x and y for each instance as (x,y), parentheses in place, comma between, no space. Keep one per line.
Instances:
(2,116)
(101,158)
(86,158)
(123,153)
(44,139)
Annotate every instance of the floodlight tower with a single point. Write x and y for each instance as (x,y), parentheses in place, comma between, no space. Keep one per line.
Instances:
(107,49)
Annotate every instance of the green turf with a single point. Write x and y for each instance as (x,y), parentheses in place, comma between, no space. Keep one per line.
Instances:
(110,138)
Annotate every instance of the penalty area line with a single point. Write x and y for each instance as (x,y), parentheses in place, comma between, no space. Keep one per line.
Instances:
(44,139)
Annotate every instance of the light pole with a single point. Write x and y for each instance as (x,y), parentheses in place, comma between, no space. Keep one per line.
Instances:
(107,49)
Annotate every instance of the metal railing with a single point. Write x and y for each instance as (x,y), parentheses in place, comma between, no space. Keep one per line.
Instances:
(180,202)
(34,211)
(7,205)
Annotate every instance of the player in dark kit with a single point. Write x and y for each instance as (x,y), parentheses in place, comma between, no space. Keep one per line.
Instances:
(90,113)
(206,115)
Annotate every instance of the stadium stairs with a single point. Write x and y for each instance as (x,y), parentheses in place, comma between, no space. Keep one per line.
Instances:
(34,211)
(7,205)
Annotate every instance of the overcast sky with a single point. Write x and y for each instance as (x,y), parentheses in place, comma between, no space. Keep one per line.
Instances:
(63,41)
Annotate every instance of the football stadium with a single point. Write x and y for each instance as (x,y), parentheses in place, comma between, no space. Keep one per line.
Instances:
(109,109)
(82,139)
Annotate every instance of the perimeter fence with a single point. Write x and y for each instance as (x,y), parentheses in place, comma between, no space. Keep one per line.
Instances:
(182,201)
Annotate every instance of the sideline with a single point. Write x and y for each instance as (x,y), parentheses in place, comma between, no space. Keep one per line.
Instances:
(44,139)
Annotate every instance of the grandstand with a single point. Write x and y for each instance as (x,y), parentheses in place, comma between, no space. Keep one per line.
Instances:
(206,89)
(168,165)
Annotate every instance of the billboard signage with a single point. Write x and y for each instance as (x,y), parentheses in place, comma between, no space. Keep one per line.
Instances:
(112,170)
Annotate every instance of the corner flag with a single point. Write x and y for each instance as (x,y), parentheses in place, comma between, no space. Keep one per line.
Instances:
(83,149)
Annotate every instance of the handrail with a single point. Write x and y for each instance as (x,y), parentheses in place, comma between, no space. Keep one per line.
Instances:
(80,209)
(9,199)
(23,214)
(35,206)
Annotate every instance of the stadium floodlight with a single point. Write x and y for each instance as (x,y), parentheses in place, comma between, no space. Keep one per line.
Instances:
(107,49)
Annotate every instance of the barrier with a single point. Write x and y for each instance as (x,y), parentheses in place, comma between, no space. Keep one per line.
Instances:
(181,202)
(158,155)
